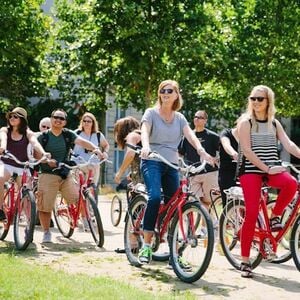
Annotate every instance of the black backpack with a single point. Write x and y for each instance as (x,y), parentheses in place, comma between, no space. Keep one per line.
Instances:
(67,134)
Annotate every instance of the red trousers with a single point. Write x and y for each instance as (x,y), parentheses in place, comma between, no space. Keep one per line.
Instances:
(251,185)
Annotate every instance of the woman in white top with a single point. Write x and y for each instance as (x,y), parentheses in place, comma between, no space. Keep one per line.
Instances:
(89,130)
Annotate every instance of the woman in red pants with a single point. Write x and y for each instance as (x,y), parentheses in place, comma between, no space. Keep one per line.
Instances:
(259,132)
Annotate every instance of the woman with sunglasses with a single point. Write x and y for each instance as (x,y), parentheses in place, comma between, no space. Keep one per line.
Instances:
(45,124)
(15,138)
(89,130)
(161,130)
(259,132)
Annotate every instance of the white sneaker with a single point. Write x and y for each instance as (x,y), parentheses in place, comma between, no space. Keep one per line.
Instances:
(47,238)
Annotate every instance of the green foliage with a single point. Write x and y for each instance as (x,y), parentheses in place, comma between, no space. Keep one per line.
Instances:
(217,50)
(24,32)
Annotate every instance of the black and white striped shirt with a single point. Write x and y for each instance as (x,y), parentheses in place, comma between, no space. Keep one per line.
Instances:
(263,144)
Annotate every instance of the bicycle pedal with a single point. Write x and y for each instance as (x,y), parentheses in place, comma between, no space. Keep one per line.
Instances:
(270,257)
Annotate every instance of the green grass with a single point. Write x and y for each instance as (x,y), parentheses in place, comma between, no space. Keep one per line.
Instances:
(20,280)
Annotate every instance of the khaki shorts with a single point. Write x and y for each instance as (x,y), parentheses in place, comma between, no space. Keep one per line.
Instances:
(95,169)
(49,185)
(203,183)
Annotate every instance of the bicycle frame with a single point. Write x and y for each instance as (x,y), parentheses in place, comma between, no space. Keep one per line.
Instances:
(85,183)
(175,203)
(15,194)
(264,233)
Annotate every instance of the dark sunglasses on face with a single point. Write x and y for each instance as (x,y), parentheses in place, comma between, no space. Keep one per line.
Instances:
(45,127)
(87,121)
(166,91)
(259,99)
(14,116)
(59,118)
(199,118)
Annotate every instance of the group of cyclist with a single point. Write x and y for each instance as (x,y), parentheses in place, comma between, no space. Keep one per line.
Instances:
(54,144)
(248,151)
(252,143)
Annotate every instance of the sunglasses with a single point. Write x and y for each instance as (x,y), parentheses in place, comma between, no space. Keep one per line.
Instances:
(166,91)
(14,117)
(259,99)
(199,118)
(87,121)
(59,118)
(45,127)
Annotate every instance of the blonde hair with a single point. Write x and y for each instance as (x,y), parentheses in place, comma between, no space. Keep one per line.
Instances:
(178,102)
(271,110)
(95,126)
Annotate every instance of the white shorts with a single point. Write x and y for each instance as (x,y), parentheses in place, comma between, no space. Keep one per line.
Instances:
(12,169)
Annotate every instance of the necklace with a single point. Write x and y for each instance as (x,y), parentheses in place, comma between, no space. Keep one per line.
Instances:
(167,118)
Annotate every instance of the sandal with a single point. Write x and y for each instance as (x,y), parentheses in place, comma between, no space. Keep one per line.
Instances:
(275,224)
(246,270)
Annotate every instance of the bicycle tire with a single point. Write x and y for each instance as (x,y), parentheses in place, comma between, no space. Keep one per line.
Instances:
(190,256)
(94,220)
(24,221)
(295,242)
(231,221)
(283,249)
(5,224)
(133,234)
(62,217)
(116,210)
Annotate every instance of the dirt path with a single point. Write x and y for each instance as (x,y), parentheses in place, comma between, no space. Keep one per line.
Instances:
(221,281)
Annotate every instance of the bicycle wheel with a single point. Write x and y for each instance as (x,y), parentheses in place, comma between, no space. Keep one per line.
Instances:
(295,242)
(24,221)
(192,242)
(5,224)
(116,210)
(94,220)
(283,252)
(133,232)
(231,221)
(62,216)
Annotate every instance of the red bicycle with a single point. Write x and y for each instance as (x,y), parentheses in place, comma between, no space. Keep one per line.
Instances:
(19,205)
(265,244)
(67,215)
(183,233)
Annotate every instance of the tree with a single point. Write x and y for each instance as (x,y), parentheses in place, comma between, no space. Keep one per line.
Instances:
(217,51)
(23,41)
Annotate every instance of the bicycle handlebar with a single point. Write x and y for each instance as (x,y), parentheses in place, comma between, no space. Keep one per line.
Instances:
(9,155)
(190,169)
(84,164)
(287,164)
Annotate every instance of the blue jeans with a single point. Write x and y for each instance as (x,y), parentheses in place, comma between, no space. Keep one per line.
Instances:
(157,175)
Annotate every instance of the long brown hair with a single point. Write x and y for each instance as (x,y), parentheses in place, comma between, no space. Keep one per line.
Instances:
(95,126)
(123,127)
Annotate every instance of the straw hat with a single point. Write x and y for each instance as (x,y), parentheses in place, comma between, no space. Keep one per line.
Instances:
(20,112)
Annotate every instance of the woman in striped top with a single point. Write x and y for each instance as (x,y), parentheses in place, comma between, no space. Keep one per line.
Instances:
(259,132)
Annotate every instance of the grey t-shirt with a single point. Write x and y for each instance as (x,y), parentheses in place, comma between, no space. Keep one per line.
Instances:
(165,137)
